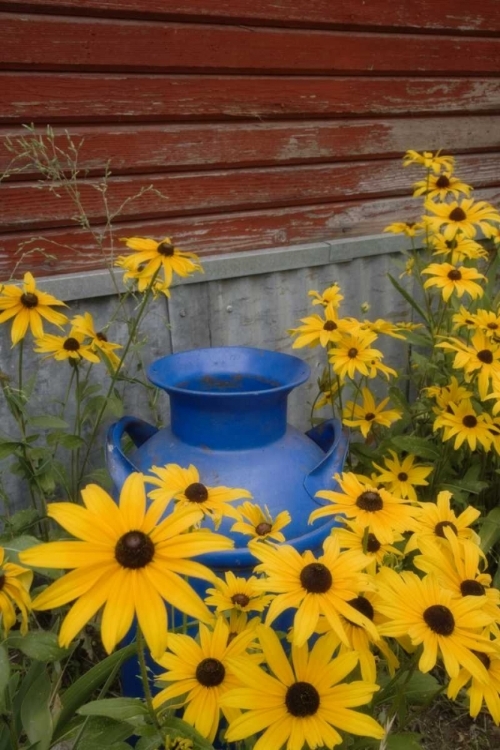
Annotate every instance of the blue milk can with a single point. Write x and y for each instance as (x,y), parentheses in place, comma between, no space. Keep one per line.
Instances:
(228,408)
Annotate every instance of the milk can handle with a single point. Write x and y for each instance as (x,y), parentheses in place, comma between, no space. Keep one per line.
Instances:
(119,466)
(330,436)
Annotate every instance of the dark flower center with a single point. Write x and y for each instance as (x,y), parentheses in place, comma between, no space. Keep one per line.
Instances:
(71,345)
(410,224)
(196,492)
(485,356)
(210,672)
(450,244)
(458,214)
(454,275)
(372,543)
(134,550)
(363,606)
(101,336)
(439,528)
(302,699)
(403,476)
(369,416)
(442,182)
(165,248)
(330,325)
(263,528)
(483,658)
(469,421)
(370,501)
(352,353)
(440,619)
(316,578)
(492,326)
(241,599)
(28,299)
(2,581)
(469,587)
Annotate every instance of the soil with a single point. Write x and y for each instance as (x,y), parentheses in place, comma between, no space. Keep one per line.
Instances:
(448,726)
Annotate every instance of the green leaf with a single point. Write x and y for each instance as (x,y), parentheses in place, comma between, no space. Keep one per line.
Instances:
(404,741)
(121,709)
(407,296)
(179,728)
(472,487)
(418,338)
(67,441)
(23,519)
(35,712)
(150,743)
(416,446)
(490,530)
(49,422)
(81,690)
(8,447)
(4,675)
(421,687)
(101,733)
(41,645)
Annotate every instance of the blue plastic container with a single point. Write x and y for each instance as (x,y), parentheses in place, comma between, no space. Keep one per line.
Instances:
(229,418)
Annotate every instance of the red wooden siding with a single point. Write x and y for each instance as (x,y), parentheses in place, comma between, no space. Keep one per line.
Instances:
(255,124)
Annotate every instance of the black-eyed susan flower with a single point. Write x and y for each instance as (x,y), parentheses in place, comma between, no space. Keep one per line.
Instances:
(313,586)
(368,413)
(330,297)
(71,346)
(401,476)
(152,256)
(28,305)
(465,216)
(435,162)
(430,615)
(372,507)
(481,693)
(457,249)
(236,593)
(464,319)
(126,560)
(383,326)
(300,704)
(480,358)
(257,523)
(452,393)
(201,672)
(458,280)
(353,354)
(408,228)
(184,486)
(441,186)
(433,518)
(465,424)
(354,536)
(98,339)
(488,321)
(320,330)
(15,582)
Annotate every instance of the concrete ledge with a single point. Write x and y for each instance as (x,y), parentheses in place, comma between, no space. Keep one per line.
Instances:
(91,284)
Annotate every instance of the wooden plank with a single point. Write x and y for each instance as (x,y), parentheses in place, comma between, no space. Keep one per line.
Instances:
(56,97)
(480,16)
(159,148)
(75,43)
(75,249)
(35,206)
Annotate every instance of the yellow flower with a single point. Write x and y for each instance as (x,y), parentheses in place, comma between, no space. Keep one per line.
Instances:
(465,217)
(481,692)
(427,159)
(451,279)
(489,322)
(259,524)
(369,413)
(464,319)
(202,673)
(402,476)
(457,249)
(299,705)
(355,537)
(236,593)
(85,324)
(453,393)
(480,359)
(383,326)
(66,347)
(184,486)
(373,508)
(463,423)
(441,186)
(431,616)
(151,256)
(353,354)
(127,560)
(313,586)
(28,306)
(409,228)
(317,330)
(15,583)
(331,297)
(433,518)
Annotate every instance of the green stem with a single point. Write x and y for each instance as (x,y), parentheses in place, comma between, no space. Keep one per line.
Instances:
(145,680)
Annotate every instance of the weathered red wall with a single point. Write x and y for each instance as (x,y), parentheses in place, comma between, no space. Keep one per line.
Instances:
(259,124)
